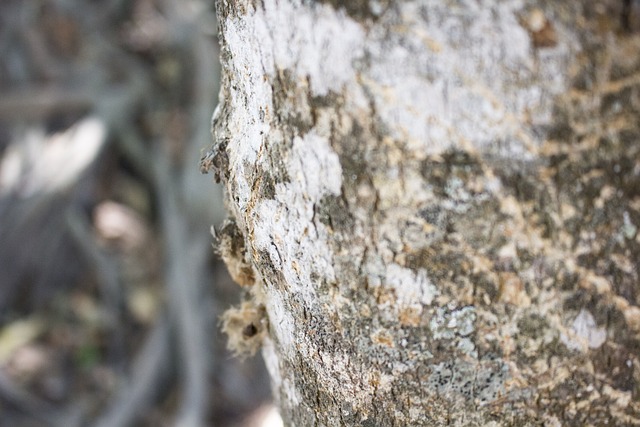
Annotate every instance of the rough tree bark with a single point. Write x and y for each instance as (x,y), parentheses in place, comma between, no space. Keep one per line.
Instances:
(435,208)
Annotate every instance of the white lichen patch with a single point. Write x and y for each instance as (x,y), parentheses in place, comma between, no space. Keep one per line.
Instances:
(284,226)
(448,323)
(280,380)
(584,334)
(315,168)
(283,330)
(434,82)
(317,42)
(411,288)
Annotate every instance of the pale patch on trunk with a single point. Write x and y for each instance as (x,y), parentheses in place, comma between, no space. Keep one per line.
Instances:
(429,196)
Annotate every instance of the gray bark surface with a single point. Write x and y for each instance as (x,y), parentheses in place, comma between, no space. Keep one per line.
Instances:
(435,208)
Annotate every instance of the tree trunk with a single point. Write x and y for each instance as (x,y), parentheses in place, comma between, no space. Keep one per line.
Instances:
(435,206)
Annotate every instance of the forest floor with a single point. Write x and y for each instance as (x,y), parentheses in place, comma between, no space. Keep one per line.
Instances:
(110,292)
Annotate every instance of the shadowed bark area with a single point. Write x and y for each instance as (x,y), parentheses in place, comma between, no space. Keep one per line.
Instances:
(439,204)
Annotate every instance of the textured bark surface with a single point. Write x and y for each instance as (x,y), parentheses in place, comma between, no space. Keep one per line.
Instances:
(437,204)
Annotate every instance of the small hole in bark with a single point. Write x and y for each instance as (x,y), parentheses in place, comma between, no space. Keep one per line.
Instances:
(249,331)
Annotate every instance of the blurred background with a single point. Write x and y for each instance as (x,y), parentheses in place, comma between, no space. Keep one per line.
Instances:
(110,293)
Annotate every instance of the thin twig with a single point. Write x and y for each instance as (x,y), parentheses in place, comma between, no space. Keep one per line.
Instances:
(186,256)
(39,103)
(149,372)
(109,280)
